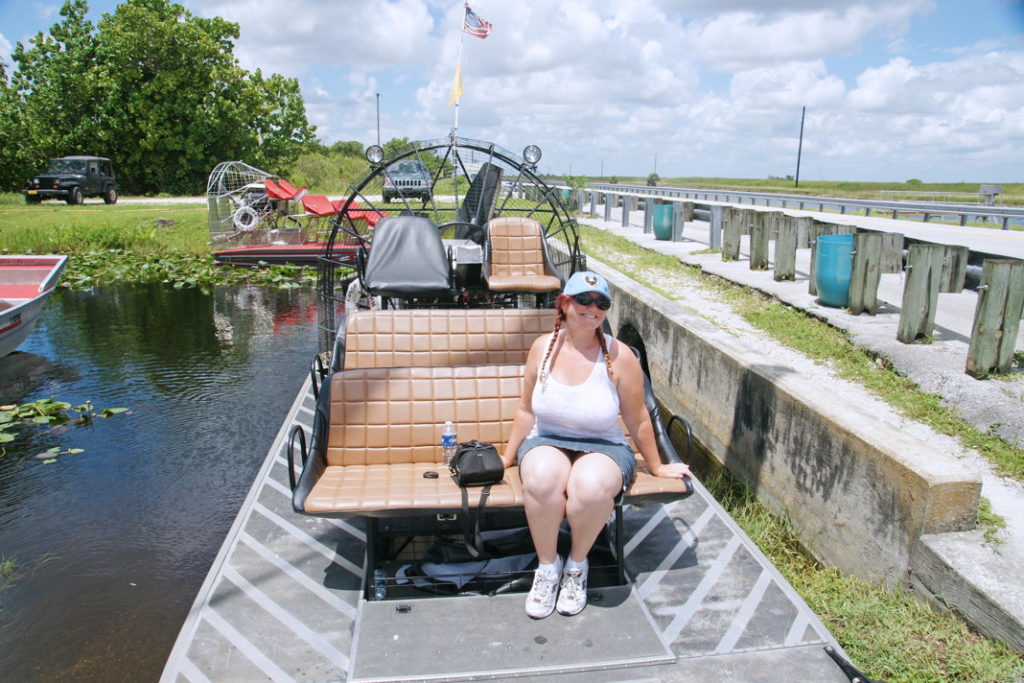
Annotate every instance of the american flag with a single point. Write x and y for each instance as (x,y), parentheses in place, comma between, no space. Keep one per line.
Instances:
(475,26)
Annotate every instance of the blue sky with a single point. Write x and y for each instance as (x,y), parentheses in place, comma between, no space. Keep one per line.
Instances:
(894,89)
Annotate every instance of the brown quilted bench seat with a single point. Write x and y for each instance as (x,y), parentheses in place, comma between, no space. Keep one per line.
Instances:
(379,432)
(435,337)
(376,430)
(400,491)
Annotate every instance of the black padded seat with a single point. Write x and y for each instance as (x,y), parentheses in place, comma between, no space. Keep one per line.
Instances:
(407,259)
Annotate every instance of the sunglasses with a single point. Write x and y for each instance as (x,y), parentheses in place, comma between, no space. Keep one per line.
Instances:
(585,299)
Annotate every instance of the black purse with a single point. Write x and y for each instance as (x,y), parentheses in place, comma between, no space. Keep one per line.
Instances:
(475,464)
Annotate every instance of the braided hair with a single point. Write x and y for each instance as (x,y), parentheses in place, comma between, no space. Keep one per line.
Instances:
(599,333)
(559,319)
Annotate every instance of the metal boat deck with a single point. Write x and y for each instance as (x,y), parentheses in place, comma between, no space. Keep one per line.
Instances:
(283,601)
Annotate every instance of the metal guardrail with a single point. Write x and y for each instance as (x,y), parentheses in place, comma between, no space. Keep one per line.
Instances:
(897,209)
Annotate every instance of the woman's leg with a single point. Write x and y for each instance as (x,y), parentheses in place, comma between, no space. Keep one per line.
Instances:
(594,481)
(545,471)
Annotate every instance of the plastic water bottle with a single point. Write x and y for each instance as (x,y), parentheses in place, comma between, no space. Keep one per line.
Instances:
(380,585)
(449,443)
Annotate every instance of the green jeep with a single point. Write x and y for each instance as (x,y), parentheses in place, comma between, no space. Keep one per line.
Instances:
(73,179)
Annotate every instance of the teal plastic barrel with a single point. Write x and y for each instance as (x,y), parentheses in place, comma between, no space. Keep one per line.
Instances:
(663,221)
(832,269)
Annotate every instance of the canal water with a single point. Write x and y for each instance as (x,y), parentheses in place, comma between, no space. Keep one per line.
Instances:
(111,545)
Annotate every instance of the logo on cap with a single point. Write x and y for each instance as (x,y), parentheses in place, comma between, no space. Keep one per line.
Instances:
(590,280)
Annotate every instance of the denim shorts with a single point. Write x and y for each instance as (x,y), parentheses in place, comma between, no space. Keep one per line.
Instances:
(621,453)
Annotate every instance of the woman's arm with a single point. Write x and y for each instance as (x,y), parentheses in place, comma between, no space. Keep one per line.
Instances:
(524,419)
(629,380)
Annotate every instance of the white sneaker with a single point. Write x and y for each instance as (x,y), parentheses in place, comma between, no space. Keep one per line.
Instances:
(541,600)
(572,597)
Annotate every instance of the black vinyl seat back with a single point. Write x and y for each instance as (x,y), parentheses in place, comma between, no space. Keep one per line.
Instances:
(478,204)
(407,259)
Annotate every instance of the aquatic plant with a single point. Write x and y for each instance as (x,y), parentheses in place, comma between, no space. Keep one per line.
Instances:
(101,267)
(49,411)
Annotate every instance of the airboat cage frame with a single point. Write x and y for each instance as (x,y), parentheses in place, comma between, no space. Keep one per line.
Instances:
(486,181)
(235,193)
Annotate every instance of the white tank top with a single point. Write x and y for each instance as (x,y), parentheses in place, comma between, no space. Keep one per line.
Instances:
(589,410)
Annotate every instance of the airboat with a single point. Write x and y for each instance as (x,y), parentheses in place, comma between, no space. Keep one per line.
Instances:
(428,311)
(257,218)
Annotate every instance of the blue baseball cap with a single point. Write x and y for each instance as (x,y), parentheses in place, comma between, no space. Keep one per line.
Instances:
(587,281)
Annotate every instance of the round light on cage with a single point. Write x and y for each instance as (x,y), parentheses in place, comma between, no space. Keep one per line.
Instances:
(375,154)
(531,153)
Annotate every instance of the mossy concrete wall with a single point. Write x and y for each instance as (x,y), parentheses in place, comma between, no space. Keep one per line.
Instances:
(860,491)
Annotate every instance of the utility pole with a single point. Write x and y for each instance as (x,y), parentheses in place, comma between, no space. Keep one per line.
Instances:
(378,119)
(800,147)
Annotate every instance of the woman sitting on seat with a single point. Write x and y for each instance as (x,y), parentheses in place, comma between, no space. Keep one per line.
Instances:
(574,459)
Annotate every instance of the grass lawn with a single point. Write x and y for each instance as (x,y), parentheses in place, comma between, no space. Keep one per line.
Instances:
(130,243)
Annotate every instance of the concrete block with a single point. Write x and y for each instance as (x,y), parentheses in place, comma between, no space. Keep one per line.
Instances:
(958,570)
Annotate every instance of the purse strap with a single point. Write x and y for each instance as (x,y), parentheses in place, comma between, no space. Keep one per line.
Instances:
(476,545)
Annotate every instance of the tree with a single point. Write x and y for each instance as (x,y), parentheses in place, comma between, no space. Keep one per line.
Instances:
(394,147)
(352,148)
(12,136)
(159,91)
(176,102)
(50,106)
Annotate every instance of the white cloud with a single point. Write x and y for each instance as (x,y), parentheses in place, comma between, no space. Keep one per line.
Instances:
(5,52)
(712,87)
(748,37)
(288,38)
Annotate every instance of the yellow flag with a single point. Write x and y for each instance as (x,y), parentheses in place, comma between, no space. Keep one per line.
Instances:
(456,86)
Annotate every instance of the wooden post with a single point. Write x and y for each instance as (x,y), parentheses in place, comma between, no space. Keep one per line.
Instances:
(678,220)
(748,220)
(760,232)
(921,292)
(785,249)
(803,232)
(715,227)
(732,230)
(688,212)
(866,272)
(774,218)
(954,268)
(892,252)
(996,318)
(817,229)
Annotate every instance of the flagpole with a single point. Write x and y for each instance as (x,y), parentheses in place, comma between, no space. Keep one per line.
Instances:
(458,69)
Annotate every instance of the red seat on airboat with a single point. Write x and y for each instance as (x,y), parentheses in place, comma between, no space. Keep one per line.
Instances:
(319,205)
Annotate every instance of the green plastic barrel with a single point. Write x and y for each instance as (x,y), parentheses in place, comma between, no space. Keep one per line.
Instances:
(663,221)
(832,269)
